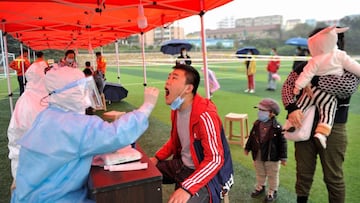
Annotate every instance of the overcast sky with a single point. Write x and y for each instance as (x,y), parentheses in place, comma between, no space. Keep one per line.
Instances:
(289,9)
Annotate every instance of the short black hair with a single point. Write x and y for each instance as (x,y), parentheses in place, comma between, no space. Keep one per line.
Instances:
(87,63)
(98,53)
(39,54)
(70,51)
(87,72)
(191,74)
(24,51)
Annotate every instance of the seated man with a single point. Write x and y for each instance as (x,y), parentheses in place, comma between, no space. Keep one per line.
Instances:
(201,165)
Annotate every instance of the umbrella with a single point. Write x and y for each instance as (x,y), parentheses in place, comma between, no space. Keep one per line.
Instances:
(297,41)
(114,92)
(245,50)
(174,46)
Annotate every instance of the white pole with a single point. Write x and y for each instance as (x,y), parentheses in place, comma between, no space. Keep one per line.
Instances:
(117,60)
(143,57)
(204,56)
(2,52)
(6,68)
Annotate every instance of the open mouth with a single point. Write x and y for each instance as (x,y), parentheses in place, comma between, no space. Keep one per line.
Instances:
(167,92)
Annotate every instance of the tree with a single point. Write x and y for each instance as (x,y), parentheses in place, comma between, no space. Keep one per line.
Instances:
(300,30)
(352,43)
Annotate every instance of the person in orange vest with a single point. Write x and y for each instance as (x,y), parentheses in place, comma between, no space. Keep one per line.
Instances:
(21,64)
(101,63)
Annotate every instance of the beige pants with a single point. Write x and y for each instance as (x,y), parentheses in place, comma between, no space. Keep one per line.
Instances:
(269,170)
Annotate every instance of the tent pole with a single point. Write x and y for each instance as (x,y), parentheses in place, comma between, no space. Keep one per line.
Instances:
(6,68)
(204,56)
(34,56)
(143,57)
(117,60)
(2,52)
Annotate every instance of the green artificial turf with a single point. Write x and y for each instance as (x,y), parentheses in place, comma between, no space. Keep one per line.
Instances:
(230,98)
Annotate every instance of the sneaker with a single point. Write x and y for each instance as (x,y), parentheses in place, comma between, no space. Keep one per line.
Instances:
(252,91)
(322,139)
(247,90)
(257,192)
(271,196)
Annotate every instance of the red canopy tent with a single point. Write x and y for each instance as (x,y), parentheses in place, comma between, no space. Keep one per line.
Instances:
(68,24)
(86,24)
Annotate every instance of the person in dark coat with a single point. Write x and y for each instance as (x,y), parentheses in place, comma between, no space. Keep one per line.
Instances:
(184,58)
(268,147)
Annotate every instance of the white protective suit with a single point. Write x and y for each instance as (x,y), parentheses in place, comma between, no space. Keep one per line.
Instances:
(26,109)
(56,153)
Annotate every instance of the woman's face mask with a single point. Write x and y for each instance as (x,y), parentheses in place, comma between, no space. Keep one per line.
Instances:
(263,115)
(68,60)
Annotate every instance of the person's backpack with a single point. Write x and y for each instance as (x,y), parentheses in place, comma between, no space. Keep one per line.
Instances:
(220,185)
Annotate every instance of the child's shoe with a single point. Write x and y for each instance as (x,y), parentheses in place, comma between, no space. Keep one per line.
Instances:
(258,191)
(271,196)
(322,138)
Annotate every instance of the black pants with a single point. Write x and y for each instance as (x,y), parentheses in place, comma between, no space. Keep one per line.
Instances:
(21,84)
(174,171)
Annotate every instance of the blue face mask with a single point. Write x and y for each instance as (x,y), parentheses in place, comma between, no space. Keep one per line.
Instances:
(263,116)
(177,103)
(69,60)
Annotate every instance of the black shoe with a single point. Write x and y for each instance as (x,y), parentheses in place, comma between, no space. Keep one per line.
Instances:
(271,197)
(256,192)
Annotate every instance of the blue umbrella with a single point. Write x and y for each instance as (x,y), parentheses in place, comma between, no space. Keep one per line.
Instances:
(174,46)
(297,41)
(245,50)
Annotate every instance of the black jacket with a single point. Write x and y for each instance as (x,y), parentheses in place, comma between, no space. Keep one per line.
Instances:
(274,146)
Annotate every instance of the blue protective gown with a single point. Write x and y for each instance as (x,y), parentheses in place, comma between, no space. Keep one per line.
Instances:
(56,153)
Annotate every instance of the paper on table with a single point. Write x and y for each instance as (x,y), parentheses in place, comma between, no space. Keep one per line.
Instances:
(123,155)
(127,167)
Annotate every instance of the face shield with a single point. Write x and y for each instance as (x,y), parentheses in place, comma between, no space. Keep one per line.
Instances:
(91,94)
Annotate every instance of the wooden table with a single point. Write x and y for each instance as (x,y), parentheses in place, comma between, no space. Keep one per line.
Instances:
(138,186)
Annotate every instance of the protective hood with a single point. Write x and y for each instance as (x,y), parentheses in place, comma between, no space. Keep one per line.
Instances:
(324,41)
(71,98)
(35,77)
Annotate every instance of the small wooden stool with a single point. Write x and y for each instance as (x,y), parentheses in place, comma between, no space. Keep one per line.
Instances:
(244,130)
(112,115)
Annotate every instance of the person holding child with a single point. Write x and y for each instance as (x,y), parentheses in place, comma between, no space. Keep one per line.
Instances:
(306,152)
(326,59)
(268,147)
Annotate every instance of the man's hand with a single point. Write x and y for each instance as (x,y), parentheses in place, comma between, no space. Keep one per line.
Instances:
(246,152)
(295,118)
(154,160)
(179,196)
